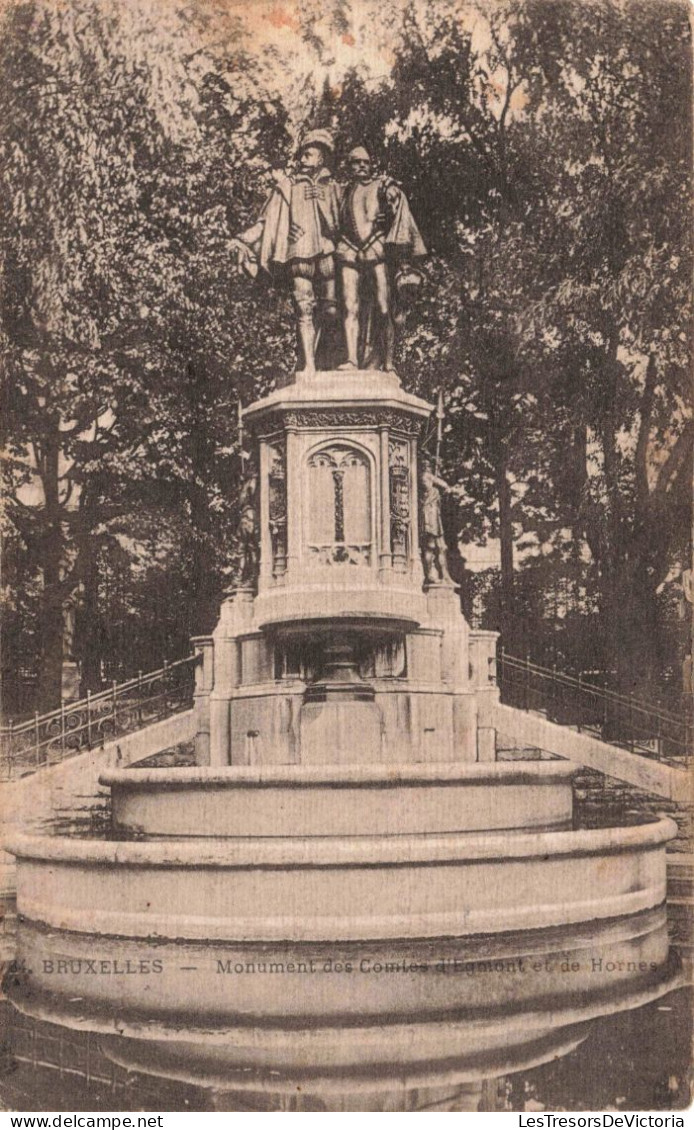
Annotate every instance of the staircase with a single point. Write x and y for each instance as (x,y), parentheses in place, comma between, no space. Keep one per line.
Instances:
(97,720)
(541,708)
(644,745)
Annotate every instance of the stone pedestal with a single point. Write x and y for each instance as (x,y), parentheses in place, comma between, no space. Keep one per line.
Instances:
(340,722)
(70,682)
(340,566)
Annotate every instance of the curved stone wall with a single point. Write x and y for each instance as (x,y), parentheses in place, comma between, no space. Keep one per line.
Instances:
(347,801)
(310,983)
(342,887)
(402,1014)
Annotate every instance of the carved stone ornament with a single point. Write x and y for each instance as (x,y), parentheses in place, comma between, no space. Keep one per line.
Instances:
(339,506)
(277,495)
(399,474)
(389,418)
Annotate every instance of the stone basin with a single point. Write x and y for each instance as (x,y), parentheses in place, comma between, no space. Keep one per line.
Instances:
(312,983)
(342,887)
(334,800)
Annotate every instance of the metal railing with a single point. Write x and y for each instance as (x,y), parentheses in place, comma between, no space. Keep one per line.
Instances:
(74,1054)
(621,720)
(89,723)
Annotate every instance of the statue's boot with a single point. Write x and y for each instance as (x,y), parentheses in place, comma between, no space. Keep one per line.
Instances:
(351,341)
(389,345)
(307,339)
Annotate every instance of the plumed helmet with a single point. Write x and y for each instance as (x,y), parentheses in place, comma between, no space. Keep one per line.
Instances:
(317,137)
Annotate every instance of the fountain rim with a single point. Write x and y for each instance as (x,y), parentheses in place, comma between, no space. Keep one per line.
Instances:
(375,775)
(340,852)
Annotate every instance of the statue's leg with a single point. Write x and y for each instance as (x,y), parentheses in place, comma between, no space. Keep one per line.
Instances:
(328,303)
(305,302)
(441,559)
(383,304)
(350,298)
(329,335)
(429,556)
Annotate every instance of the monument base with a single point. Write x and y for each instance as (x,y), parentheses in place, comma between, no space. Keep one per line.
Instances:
(426,680)
(340,570)
(70,682)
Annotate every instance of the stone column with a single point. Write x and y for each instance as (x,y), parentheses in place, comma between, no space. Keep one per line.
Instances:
(204,682)
(294,512)
(444,611)
(384,555)
(486,743)
(236,616)
(265,541)
(482,651)
(70,682)
(415,552)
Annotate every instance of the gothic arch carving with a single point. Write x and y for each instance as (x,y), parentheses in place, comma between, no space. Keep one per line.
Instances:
(340,505)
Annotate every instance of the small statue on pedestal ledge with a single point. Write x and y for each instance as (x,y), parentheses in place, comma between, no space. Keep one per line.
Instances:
(277,484)
(308,222)
(433,543)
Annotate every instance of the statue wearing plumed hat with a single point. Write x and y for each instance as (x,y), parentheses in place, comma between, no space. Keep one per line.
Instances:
(308,223)
(296,236)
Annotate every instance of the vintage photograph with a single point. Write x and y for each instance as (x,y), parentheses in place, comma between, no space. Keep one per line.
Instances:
(345,760)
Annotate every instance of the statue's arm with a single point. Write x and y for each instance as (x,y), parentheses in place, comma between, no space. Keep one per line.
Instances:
(253,234)
(250,238)
(246,245)
(392,192)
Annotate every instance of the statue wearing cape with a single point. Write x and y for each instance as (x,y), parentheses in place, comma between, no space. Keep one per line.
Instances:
(309,222)
(379,240)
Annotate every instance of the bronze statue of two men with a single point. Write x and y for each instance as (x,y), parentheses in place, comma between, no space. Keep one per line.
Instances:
(348,251)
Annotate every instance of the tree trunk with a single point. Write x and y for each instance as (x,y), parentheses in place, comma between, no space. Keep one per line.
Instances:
(507,605)
(204,596)
(629,607)
(50,621)
(89,633)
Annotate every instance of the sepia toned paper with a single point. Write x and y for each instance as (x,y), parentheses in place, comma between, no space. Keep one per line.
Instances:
(347,589)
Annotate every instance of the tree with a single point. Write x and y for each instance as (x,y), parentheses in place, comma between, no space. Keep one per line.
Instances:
(551,165)
(617,233)
(124,333)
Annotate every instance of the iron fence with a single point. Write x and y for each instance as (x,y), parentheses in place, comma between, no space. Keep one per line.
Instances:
(75,1057)
(89,723)
(122,708)
(622,720)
